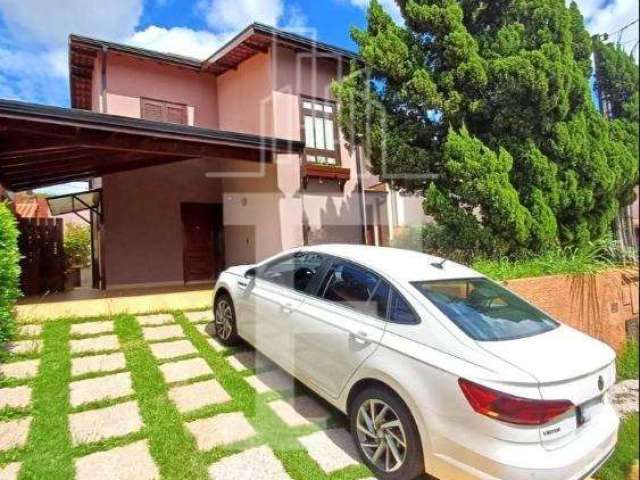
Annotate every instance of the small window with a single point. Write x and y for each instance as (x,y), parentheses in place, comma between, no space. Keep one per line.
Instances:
(356,288)
(160,111)
(401,311)
(294,271)
(320,134)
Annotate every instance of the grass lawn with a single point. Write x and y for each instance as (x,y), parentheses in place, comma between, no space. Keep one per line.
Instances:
(51,454)
(619,465)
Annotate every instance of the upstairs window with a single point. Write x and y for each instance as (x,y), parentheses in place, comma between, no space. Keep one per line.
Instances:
(320,132)
(160,111)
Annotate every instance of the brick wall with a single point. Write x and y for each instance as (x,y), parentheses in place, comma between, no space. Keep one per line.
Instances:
(599,305)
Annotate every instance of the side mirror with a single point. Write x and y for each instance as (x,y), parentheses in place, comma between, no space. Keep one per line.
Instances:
(250,274)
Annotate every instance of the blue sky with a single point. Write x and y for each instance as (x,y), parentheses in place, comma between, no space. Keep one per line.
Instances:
(33,33)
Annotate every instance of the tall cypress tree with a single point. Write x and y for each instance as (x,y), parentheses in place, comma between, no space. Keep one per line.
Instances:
(486,107)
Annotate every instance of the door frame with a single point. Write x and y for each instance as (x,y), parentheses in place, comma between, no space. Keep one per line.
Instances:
(217,220)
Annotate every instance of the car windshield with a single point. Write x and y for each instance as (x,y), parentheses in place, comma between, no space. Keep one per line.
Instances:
(484,310)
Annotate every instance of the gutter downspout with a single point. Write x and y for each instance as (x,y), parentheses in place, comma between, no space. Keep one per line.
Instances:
(103,80)
(363,210)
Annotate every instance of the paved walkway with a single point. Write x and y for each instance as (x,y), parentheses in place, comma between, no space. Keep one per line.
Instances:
(238,413)
(100,303)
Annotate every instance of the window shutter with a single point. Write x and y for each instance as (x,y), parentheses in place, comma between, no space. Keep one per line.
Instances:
(177,114)
(152,110)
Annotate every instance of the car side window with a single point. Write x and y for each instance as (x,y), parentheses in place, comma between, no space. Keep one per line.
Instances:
(357,288)
(294,271)
(401,312)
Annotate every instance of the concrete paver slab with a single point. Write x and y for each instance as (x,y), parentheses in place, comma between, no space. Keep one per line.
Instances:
(300,411)
(100,388)
(332,450)
(197,395)
(20,370)
(91,328)
(10,472)
(185,370)
(14,433)
(106,362)
(158,319)
(24,346)
(222,429)
(130,462)
(102,423)
(16,397)
(199,317)
(95,344)
(30,331)
(177,348)
(276,380)
(152,334)
(253,464)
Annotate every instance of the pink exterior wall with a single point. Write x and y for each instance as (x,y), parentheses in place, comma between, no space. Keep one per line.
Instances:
(332,215)
(244,97)
(142,227)
(129,79)
(265,206)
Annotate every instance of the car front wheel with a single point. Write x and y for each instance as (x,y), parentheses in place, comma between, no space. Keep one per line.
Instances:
(386,434)
(225,320)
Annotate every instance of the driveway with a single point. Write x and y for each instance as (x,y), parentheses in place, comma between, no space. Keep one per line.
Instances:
(149,397)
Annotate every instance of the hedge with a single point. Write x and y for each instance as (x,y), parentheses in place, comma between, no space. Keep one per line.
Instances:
(9,271)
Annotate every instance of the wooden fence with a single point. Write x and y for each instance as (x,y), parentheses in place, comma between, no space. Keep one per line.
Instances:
(43,264)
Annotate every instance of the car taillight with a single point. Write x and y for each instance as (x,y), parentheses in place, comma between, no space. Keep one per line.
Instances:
(511,409)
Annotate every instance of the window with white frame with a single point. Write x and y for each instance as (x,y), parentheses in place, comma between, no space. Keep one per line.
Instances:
(320,131)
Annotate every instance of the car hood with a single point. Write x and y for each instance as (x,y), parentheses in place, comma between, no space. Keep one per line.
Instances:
(558,355)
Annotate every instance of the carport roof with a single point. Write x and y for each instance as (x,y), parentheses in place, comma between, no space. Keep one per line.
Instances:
(42,145)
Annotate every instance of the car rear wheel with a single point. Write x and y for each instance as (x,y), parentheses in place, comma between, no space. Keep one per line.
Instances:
(225,320)
(386,434)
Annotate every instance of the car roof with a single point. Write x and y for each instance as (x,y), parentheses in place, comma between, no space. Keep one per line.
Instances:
(399,264)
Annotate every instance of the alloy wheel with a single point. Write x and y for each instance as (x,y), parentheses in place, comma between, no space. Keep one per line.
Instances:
(381,435)
(224,319)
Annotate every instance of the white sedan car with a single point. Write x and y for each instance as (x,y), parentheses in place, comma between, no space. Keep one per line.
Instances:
(439,369)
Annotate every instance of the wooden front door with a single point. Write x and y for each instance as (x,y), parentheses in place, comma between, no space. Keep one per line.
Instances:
(203,241)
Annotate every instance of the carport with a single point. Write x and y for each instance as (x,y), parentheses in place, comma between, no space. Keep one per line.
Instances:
(42,146)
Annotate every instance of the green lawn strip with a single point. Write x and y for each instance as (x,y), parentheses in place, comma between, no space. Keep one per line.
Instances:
(272,431)
(627,363)
(172,447)
(48,453)
(618,467)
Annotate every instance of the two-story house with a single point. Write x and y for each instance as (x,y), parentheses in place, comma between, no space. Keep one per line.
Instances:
(203,164)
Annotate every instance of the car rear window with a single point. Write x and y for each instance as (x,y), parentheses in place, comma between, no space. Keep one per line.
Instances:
(484,310)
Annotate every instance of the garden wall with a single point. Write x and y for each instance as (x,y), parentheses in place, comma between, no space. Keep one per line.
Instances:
(604,306)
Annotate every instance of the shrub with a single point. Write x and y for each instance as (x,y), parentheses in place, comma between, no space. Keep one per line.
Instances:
(77,245)
(9,271)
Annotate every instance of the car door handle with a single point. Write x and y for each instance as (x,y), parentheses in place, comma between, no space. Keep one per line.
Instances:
(360,338)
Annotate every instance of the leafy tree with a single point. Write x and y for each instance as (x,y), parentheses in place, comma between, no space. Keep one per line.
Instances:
(486,107)
(77,245)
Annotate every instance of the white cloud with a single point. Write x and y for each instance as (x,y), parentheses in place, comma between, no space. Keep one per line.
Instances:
(179,40)
(49,22)
(236,14)
(390,6)
(602,16)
